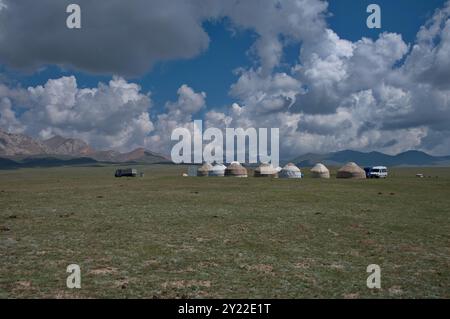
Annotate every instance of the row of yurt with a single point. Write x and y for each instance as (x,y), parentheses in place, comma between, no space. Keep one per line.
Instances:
(210,170)
(348,171)
(235,169)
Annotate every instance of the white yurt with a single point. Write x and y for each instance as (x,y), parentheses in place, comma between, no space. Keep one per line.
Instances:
(218,170)
(290,171)
(320,171)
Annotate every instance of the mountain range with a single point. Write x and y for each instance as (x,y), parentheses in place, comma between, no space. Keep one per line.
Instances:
(20,150)
(409,158)
(23,150)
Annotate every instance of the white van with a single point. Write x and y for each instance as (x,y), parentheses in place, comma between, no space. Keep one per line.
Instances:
(377,172)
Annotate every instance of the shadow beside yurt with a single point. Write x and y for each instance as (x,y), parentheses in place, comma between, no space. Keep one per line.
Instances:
(192,171)
(351,171)
(266,170)
(290,171)
(320,171)
(235,169)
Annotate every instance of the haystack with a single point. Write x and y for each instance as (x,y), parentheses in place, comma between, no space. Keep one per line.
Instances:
(351,170)
(218,170)
(290,171)
(204,170)
(236,170)
(320,171)
(266,170)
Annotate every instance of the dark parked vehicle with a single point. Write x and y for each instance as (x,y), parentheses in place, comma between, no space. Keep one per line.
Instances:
(130,172)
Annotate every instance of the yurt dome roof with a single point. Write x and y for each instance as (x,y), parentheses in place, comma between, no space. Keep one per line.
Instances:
(291,167)
(319,168)
(235,164)
(206,167)
(320,171)
(266,170)
(219,167)
(351,170)
(351,167)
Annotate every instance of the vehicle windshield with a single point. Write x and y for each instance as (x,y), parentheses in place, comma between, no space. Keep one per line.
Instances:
(375,171)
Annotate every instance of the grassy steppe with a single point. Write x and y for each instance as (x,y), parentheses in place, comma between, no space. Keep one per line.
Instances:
(166,236)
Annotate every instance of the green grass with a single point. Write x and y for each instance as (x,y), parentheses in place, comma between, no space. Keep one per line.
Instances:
(167,236)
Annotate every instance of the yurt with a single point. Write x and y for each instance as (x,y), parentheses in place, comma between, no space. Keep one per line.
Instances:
(290,171)
(204,170)
(236,170)
(320,171)
(266,170)
(218,170)
(351,170)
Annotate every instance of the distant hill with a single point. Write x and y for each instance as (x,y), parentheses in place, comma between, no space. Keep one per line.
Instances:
(409,158)
(142,155)
(14,144)
(53,162)
(20,150)
(59,145)
(8,164)
(139,155)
